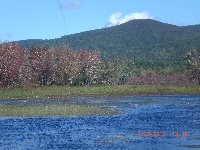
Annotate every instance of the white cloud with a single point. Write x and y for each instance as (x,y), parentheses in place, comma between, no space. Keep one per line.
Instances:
(73,4)
(116,19)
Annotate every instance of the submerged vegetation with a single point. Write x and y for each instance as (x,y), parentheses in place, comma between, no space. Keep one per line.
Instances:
(52,110)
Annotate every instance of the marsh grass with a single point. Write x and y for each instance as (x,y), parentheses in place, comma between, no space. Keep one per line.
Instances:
(65,91)
(53,110)
(77,110)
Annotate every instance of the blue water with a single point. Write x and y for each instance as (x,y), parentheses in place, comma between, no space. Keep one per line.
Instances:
(166,114)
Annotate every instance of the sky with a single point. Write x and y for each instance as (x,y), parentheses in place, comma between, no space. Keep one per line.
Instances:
(49,19)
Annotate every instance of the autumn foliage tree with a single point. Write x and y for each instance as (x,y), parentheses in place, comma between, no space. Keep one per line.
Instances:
(192,65)
(14,66)
(25,73)
(88,66)
(42,64)
(63,66)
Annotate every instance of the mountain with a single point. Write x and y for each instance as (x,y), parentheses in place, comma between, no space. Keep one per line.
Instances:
(150,43)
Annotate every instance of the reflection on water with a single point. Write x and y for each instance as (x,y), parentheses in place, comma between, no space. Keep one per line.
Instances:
(147,122)
(12,101)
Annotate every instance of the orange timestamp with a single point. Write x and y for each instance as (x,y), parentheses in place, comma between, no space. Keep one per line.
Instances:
(162,133)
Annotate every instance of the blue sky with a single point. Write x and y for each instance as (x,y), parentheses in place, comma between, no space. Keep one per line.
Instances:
(49,19)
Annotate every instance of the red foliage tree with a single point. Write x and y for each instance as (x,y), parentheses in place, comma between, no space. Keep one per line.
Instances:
(65,66)
(42,64)
(13,59)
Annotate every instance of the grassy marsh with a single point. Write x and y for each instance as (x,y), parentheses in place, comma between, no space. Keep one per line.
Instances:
(77,110)
(66,91)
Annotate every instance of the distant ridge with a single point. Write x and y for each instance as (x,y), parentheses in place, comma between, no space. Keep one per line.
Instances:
(148,42)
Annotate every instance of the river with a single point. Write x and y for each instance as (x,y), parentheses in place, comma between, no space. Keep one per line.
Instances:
(155,122)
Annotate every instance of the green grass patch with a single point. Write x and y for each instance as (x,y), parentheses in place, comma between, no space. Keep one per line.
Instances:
(53,110)
(65,91)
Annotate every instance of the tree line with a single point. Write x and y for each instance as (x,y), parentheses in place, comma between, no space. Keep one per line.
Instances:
(47,66)
(61,65)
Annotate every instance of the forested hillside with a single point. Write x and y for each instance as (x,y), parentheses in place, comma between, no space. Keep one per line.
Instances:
(149,43)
